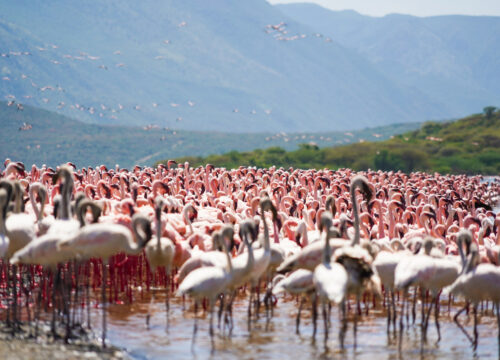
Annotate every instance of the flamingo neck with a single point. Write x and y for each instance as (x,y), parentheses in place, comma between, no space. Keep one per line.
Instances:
(276,234)
(250,258)
(305,237)
(355,211)
(267,245)
(34,206)
(381,227)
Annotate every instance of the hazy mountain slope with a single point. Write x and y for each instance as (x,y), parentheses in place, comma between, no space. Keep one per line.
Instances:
(467,146)
(53,139)
(219,57)
(454,59)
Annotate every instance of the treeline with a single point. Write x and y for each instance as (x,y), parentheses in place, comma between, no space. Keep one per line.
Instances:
(467,146)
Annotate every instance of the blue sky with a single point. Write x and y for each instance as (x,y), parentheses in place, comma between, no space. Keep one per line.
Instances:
(412,7)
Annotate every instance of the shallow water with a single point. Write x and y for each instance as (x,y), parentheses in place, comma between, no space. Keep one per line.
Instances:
(127,329)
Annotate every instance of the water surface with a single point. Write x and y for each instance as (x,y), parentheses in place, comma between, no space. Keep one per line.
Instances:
(277,340)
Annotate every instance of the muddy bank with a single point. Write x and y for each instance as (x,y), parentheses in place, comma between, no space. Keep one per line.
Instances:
(23,345)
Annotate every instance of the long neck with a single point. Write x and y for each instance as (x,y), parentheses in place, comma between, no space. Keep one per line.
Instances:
(158,229)
(188,221)
(250,258)
(3,230)
(381,227)
(34,205)
(136,247)
(267,245)
(65,198)
(392,222)
(355,213)
(460,244)
(19,198)
(326,250)
(81,214)
(43,198)
(305,238)
(122,189)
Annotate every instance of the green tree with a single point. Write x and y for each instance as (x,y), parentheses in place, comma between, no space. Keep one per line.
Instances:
(488,111)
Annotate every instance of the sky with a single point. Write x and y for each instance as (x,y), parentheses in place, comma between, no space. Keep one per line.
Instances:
(411,7)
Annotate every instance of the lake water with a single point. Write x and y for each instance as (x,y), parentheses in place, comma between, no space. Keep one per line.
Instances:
(127,329)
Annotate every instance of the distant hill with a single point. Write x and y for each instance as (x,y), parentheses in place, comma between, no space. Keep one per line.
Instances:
(196,65)
(37,136)
(467,146)
(453,59)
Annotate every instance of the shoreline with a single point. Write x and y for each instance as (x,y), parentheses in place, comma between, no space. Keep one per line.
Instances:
(23,345)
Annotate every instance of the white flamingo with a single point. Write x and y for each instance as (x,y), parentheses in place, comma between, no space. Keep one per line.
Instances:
(298,283)
(104,240)
(477,282)
(431,273)
(207,282)
(160,253)
(330,279)
(65,225)
(20,227)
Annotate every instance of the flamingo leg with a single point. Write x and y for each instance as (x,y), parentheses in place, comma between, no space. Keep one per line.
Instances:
(211,328)
(425,321)
(297,320)
(497,305)
(148,315)
(229,312)
(54,289)
(314,314)
(151,301)
(355,327)
(413,309)
(250,308)
(14,307)
(329,314)
(436,318)
(257,306)
(87,295)
(103,293)
(401,326)
(325,323)
(460,326)
(195,327)
(394,312)
(389,314)
(476,335)
(343,328)
(167,301)
(221,310)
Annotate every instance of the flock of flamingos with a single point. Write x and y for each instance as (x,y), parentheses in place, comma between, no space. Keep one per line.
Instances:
(71,239)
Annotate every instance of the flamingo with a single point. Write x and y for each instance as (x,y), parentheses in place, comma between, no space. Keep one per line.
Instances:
(330,279)
(431,273)
(20,227)
(262,256)
(104,240)
(243,265)
(65,225)
(356,260)
(300,283)
(160,253)
(207,282)
(43,222)
(385,265)
(477,282)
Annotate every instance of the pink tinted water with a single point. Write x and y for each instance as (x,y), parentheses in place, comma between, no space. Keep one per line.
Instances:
(127,329)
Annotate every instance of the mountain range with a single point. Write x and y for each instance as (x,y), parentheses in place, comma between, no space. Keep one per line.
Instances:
(221,66)
(453,59)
